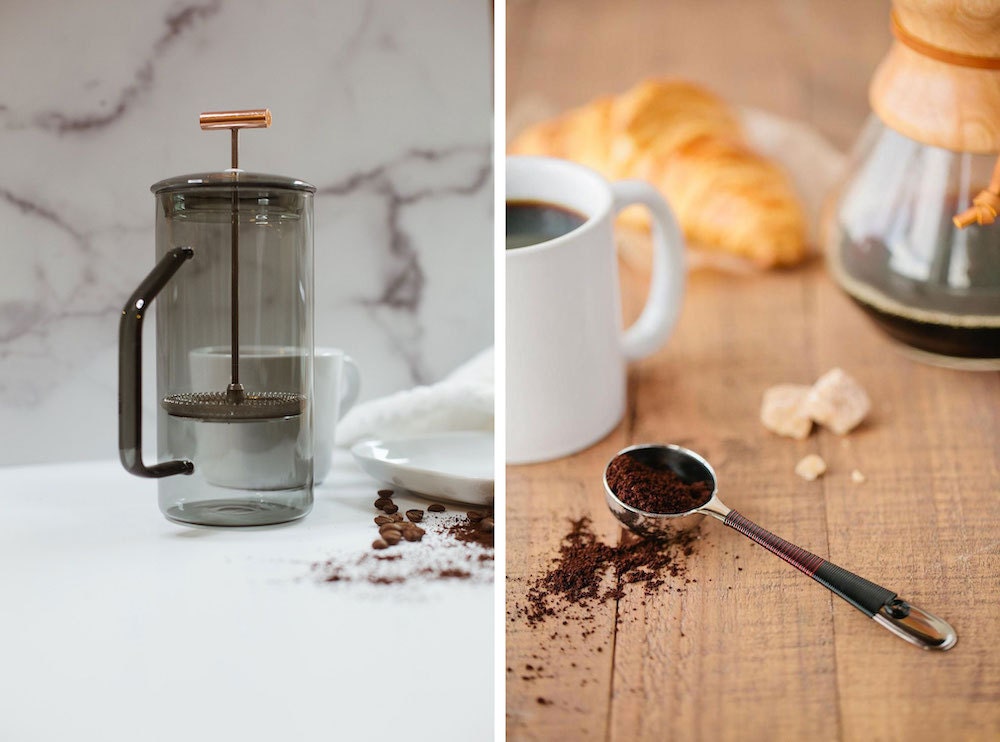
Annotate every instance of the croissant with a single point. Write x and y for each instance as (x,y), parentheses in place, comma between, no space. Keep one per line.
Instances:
(688,143)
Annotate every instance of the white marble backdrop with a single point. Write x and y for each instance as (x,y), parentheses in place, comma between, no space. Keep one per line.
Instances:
(384,105)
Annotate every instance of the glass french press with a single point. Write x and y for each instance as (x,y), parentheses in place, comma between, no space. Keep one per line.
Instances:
(234,351)
(910,237)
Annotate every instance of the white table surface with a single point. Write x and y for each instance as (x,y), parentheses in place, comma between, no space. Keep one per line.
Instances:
(116,624)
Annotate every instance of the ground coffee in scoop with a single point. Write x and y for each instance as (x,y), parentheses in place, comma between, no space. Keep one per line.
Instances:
(654,489)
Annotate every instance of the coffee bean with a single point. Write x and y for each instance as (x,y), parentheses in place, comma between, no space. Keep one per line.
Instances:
(379,544)
(392,537)
(396,518)
(475,515)
(414,534)
(385,493)
(390,508)
(380,519)
(436,507)
(381,502)
(415,515)
(386,527)
(486,525)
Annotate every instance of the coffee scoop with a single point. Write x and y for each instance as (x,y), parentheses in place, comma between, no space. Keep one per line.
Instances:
(898,616)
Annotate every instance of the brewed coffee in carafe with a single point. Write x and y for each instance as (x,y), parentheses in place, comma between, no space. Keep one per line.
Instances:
(233,292)
(911,236)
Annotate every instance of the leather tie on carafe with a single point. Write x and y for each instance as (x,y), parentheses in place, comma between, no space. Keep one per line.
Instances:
(985,206)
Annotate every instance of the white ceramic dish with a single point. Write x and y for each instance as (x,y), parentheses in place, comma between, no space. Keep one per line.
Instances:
(443,466)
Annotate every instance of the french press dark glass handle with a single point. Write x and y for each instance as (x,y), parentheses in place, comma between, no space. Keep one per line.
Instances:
(130,370)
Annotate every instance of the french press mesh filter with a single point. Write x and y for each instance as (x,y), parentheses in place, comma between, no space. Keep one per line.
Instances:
(234,344)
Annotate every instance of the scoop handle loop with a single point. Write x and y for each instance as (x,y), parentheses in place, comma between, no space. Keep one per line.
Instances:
(911,624)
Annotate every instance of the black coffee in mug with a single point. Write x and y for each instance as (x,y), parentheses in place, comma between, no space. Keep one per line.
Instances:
(534,222)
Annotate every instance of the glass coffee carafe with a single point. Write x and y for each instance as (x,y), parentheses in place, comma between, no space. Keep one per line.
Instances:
(234,355)
(910,236)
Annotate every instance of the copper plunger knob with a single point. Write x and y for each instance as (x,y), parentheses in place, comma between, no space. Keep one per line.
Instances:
(258,119)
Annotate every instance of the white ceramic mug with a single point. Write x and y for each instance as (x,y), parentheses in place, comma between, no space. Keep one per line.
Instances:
(336,385)
(337,382)
(566,350)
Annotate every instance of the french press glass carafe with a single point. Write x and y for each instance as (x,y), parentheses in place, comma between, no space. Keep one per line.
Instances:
(234,354)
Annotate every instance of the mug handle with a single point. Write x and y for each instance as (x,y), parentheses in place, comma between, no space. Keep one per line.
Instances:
(352,377)
(648,333)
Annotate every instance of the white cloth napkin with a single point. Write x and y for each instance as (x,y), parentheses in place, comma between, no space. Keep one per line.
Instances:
(461,401)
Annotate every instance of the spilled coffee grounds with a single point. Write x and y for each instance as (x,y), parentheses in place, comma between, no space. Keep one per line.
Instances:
(654,489)
(444,547)
(476,528)
(578,575)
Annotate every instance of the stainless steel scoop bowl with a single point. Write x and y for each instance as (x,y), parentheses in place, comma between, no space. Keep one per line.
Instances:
(898,616)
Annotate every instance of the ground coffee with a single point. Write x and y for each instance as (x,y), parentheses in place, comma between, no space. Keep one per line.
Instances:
(577,575)
(653,489)
(474,529)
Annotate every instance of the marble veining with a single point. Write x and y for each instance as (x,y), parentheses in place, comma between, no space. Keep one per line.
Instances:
(175,22)
(405,284)
(396,306)
(384,106)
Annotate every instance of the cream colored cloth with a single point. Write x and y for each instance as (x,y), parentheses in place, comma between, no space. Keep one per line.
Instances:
(463,400)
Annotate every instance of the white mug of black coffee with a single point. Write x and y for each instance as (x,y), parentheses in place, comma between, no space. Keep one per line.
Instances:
(566,350)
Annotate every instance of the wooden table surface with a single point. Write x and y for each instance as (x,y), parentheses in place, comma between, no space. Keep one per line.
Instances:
(754,650)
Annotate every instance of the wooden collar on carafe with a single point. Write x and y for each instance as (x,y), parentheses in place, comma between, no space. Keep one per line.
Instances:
(939,53)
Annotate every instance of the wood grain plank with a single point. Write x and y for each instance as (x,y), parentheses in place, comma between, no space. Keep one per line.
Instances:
(520,26)
(558,676)
(841,45)
(924,523)
(757,635)
(575,683)
(807,60)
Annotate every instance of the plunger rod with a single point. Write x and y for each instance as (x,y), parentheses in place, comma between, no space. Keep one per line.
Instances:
(234,121)
(235,391)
